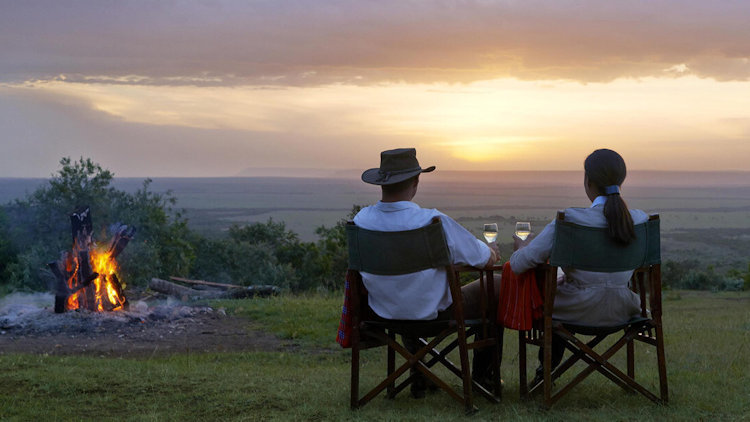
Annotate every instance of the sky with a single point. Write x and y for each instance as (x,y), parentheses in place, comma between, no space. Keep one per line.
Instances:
(223,88)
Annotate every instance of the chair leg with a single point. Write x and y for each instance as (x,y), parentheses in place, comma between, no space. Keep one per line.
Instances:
(631,359)
(390,390)
(354,404)
(662,362)
(523,387)
(466,370)
(497,360)
(548,364)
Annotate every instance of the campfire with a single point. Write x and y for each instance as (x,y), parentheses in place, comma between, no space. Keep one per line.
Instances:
(87,274)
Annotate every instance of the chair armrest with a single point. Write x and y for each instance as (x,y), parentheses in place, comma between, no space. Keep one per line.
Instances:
(469,268)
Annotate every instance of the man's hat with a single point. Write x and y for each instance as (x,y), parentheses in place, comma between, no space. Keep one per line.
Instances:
(396,165)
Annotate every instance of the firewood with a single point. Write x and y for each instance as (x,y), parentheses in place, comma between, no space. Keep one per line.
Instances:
(185,293)
(235,291)
(81,226)
(123,235)
(61,289)
(206,283)
(173,289)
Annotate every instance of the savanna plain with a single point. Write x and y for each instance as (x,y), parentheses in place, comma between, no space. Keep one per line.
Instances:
(705,219)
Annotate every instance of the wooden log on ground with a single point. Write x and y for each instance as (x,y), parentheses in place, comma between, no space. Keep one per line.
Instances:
(205,283)
(174,289)
(185,293)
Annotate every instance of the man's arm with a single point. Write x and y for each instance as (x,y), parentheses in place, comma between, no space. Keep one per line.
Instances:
(464,247)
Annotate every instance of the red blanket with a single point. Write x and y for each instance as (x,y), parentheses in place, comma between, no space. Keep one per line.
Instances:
(520,301)
(344,335)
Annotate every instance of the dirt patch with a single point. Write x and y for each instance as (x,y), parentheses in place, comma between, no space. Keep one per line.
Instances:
(144,331)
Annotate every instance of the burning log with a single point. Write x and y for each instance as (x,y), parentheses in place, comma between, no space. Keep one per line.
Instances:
(117,286)
(61,289)
(123,235)
(86,276)
(81,226)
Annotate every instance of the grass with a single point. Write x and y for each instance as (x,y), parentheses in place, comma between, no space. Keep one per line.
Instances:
(707,346)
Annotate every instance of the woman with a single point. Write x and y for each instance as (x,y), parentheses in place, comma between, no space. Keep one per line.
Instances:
(585,297)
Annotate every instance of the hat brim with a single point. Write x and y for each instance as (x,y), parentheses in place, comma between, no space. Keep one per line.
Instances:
(372,176)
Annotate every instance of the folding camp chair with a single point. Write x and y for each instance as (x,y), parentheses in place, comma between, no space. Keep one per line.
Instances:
(403,252)
(591,249)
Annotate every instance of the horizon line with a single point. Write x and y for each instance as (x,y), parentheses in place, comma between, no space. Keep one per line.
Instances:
(337,173)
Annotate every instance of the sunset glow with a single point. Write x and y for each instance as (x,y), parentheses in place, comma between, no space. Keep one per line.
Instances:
(505,107)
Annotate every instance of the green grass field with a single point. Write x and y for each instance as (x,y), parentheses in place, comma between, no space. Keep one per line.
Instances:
(707,347)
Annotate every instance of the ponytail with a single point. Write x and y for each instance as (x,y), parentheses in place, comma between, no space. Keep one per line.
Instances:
(606,170)
(619,221)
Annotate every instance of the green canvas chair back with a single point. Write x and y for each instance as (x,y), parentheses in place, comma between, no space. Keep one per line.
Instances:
(394,253)
(592,249)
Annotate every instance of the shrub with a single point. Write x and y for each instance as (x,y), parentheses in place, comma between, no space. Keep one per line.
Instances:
(689,275)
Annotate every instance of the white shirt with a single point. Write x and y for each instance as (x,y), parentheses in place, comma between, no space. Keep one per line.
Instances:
(420,295)
(586,297)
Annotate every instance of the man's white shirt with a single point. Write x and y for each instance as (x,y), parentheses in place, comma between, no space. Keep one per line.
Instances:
(420,295)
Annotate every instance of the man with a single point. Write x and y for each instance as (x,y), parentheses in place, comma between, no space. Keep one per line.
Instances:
(423,295)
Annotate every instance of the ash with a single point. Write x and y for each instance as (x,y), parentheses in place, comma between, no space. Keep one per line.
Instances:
(33,315)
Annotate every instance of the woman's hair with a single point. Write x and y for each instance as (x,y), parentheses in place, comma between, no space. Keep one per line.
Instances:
(604,168)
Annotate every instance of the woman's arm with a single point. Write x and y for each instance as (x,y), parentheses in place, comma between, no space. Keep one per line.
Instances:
(535,252)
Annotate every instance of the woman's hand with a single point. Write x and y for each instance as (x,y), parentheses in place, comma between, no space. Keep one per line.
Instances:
(518,243)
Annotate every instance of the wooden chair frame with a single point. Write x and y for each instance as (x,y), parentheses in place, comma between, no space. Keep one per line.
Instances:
(646,281)
(369,330)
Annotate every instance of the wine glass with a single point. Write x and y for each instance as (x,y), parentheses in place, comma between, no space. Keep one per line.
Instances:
(490,232)
(523,229)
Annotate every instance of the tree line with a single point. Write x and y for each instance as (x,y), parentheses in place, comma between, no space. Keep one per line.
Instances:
(34,231)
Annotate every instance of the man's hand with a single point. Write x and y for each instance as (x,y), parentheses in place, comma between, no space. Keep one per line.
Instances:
(494,254)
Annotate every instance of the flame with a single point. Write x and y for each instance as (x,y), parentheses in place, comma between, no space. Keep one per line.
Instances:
(106,296)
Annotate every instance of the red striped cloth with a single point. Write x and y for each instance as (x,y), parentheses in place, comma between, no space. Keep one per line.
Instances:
(520,301)
(344,334)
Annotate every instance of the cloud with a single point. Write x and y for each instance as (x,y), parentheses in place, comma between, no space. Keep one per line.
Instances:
(38,128)
(227,43)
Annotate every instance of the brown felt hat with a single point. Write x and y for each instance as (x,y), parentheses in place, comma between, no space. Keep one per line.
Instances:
(396,165)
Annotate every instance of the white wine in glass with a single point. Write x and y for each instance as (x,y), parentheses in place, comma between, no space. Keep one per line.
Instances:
(523,229)
(490,232)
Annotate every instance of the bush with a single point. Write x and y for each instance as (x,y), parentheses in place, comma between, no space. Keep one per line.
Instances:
(689,275)
(268,253)
(243,262)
